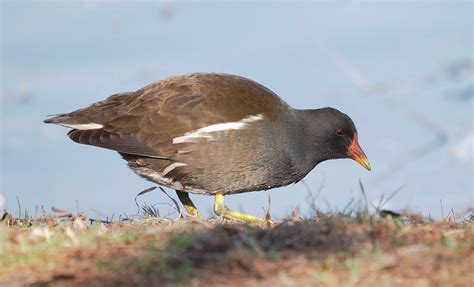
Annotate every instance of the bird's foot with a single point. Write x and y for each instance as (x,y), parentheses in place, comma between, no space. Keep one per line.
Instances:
(223,211)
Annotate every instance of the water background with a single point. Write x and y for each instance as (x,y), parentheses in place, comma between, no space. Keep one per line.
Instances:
(402,70)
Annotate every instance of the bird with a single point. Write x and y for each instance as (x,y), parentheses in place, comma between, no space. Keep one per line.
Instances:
(214,134)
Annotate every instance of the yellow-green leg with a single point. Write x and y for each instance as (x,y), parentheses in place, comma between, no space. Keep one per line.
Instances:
(222,210)
(188,204)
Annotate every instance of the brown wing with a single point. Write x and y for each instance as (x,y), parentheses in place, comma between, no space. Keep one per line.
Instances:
(124,143)
(146,121)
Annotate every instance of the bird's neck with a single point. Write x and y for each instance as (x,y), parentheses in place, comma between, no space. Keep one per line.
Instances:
(304,141)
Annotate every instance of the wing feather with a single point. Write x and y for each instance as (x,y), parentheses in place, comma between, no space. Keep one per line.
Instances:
(146,121)
(123,143)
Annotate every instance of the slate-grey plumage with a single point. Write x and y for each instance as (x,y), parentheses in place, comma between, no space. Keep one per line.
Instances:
(215,134)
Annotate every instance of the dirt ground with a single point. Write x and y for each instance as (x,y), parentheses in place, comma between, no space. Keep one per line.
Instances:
(330,249)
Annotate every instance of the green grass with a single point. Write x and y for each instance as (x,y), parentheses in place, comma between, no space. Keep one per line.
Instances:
(330,249)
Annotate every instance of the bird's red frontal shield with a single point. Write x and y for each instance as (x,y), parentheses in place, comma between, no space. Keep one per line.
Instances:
(356,153)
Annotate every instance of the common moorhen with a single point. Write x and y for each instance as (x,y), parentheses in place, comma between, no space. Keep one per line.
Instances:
(214,134)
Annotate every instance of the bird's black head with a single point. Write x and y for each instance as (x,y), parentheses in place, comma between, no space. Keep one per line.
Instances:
(333,135)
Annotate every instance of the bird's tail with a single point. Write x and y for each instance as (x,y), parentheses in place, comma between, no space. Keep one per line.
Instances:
(56,119)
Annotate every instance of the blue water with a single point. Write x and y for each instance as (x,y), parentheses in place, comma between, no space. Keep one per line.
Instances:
(402,71)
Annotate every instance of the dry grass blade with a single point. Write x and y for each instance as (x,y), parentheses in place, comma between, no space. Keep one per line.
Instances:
(442,209)
(142,193)
(268,217)
(19,206)
(338,246)
(379,208)
(392,195)
(312,198)
(366,203)
(176,205)
(57,210)
(61,213)
(150,210)
(346,209)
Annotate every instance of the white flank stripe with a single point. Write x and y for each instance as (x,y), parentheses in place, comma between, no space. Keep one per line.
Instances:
(89,126)
(205,131)
(171,167)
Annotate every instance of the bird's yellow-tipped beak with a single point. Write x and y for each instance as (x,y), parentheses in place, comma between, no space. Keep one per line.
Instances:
(356,153)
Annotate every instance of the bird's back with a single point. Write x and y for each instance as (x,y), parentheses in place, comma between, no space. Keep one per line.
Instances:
(198,132)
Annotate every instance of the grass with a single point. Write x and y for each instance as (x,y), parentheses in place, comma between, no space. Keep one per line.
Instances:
(329,249)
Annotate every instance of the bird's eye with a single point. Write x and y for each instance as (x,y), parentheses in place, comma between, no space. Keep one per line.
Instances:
(339,132)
